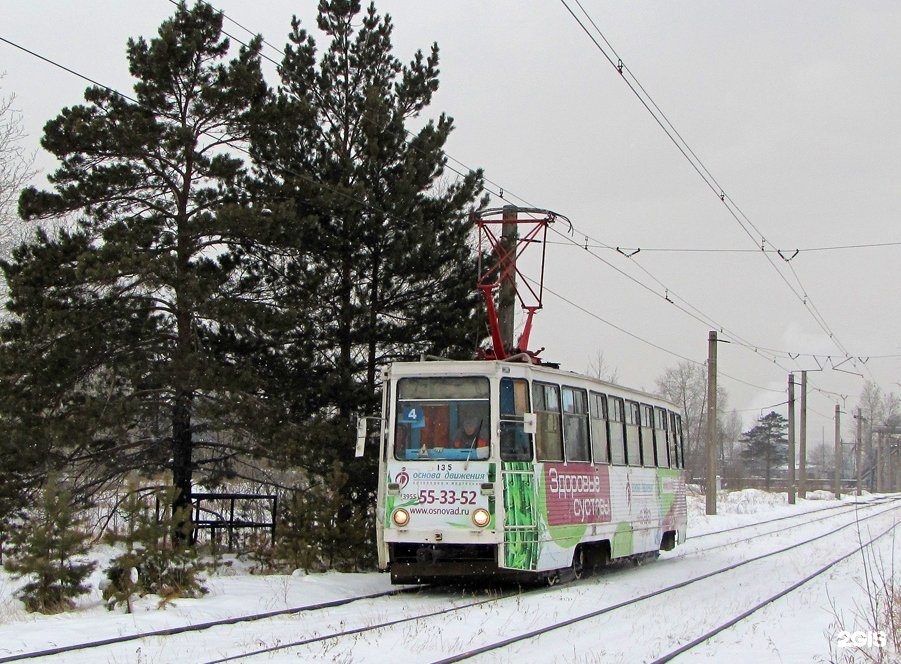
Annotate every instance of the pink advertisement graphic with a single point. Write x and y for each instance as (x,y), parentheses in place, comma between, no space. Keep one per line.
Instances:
(577,494)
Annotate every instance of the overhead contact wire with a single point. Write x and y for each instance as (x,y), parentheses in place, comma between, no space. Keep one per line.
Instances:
(695,162)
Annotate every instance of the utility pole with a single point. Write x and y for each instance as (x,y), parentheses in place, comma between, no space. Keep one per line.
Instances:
(896,481)
(506,305)
(802,445)
(791,439)
(857,451)
(837,477)
(711,423)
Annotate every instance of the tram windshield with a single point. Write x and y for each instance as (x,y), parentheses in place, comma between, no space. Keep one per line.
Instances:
(442,418)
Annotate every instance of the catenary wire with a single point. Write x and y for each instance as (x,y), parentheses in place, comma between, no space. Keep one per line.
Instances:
(365,203)
(705,319)
(721,250)
(704,173)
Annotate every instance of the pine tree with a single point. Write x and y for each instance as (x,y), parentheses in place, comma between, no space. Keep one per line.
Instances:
(153,561)
(122,573)
(766,445)
(313,534)
(44,545)
(132,338)
(374,241)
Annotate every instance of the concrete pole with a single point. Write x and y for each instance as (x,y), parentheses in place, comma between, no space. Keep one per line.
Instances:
(711,423)
(837,475)
(791,439)
(857,452)
(802,444)
(880,462)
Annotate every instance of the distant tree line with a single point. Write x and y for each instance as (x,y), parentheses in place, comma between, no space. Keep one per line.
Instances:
(232,263)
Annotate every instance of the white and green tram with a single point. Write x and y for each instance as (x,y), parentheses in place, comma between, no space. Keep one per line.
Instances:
(507,468)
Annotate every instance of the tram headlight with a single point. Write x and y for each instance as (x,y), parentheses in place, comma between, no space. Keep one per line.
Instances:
(481,517)
(401,517)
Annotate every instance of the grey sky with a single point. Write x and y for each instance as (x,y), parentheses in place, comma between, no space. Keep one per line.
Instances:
(792,106)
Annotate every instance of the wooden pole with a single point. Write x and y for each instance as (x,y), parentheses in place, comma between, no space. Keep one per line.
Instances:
(506,305)
(857,453)
(802,443)
(837,473)
(711,423)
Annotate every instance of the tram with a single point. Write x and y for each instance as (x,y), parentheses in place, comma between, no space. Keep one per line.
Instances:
(504,468)
(507,467)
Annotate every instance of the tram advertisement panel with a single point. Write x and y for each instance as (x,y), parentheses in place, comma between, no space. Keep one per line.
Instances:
(577,494)
(439,494)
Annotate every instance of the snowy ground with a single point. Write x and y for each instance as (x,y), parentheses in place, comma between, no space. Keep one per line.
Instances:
(803,626)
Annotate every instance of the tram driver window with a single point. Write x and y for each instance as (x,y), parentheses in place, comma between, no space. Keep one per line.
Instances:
(548,434)
(445,418)
(516,444)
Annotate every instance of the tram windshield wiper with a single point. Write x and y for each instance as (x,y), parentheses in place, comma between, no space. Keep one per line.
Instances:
(472,444)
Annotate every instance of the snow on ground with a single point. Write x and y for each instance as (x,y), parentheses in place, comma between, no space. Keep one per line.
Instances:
(802,627)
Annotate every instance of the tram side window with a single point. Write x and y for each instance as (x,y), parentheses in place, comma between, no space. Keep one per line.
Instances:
(633,434)
(616,414)
(673,448)
(661,430)
(575,424)
(600,450)
(516,444)
(647,435)
(549,443)
(677,441)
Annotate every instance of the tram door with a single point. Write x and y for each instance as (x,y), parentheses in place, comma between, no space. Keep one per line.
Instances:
(518,476)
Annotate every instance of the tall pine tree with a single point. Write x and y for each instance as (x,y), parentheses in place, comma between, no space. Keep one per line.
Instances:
(766,445)
(132,327)
(375,238)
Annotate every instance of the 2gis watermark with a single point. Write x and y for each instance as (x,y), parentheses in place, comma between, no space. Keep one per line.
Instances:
(860,639)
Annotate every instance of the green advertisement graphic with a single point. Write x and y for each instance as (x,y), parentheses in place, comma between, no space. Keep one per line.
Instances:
(389,508)
(666,497)
(622,540)
(520,525)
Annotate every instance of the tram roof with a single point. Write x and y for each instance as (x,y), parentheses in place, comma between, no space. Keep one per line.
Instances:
(444,367)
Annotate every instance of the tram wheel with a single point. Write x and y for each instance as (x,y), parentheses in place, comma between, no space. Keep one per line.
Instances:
(579,563)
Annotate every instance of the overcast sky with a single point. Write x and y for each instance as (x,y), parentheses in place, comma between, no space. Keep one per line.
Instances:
(792,107)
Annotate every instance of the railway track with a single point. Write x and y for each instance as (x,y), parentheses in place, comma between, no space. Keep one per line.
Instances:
(845,506)
(183,629)
(437,613)
(843,509)
(547,629)
(769,600)
(532,634)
